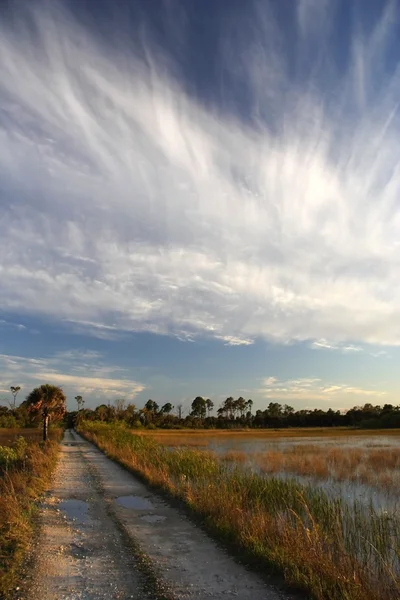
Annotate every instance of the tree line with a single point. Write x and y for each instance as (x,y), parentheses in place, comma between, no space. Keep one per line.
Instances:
(238,413)
(232,413)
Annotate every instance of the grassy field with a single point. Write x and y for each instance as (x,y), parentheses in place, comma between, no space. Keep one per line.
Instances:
(332,549)
(202,437)
(26,465)
(8,436)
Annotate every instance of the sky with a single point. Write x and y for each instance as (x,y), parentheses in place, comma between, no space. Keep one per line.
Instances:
(201,197)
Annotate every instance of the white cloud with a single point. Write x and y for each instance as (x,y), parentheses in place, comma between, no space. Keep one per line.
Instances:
(232,340)
(10,324)
(105,387)
(133,207)
(341,347)
(315,389)
(76,371)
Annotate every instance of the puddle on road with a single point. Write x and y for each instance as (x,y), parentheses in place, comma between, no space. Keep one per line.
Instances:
(153,518)
(78,550)
(76,510)
(136,502)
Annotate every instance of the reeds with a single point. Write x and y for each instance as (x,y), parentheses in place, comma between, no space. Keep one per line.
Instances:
(327,547)
(370,466)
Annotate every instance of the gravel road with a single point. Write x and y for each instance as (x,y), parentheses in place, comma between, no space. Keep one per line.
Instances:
(104,535)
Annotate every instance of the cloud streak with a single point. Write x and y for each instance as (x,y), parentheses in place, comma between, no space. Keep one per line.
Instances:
(77,372)
(315,389)
(129,205)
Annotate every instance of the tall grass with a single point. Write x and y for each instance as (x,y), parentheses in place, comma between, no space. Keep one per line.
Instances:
(10,435)
(25,470)
(377,467)
(327,547)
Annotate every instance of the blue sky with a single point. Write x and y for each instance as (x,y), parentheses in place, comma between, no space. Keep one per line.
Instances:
(201,197)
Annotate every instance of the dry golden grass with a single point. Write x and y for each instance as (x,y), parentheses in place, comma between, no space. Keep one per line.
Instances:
(370,464)
(374,467)
(203,437)
(236,456)
(20,488)
(34,434)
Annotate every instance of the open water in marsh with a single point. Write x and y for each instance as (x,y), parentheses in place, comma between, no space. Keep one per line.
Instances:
(348,490)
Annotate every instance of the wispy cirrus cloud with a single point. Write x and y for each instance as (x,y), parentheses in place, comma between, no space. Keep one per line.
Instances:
(11,325)
(142,209)
(341,347)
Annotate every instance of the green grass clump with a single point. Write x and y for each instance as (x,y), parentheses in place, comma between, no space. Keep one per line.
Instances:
(11,456)
(329,548)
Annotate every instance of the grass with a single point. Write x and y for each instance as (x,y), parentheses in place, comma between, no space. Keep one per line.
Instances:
(375,467)
(203,437)
(23,478)
(372,465)
(34,434)
(328,548)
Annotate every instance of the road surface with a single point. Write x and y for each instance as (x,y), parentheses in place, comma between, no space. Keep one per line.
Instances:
(104,535)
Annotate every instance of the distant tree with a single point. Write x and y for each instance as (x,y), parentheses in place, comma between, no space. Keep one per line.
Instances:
(166,409)
(241,405)
(228,409)
(119,405)
(199,407)
(288,410)
(130,415)
(80,401)
(14,392)
(151,406)
(209,406)
(101,412)
(46,396)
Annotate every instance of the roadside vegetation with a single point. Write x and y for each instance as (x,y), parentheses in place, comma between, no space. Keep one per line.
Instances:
(327,547)
(25,470)
(26,466)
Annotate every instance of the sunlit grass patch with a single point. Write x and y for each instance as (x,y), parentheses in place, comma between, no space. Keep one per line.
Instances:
(236,456)
(376,467)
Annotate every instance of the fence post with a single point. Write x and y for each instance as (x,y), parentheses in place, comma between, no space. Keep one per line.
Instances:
(45,423)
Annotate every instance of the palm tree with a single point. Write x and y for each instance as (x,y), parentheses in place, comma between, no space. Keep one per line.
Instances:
(46,397)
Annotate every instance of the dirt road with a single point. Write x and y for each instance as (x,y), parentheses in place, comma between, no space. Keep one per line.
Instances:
(104,535)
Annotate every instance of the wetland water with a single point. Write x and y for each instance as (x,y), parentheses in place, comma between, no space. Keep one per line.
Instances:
(360,482)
